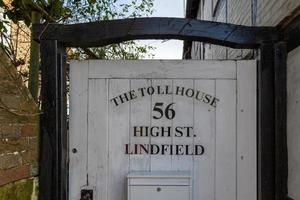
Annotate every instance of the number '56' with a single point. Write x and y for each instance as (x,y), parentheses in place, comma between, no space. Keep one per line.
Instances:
(159,113)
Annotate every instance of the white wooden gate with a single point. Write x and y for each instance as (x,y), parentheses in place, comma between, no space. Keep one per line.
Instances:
(150,115)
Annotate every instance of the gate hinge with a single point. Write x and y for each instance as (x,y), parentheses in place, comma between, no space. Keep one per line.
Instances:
(86,194)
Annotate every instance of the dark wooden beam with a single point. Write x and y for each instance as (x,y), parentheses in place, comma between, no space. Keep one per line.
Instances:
(293,38)
(53,143)
(192,7)
(48,130)
(272,136)
(103,33)
(187,50)
(266,124)
(289,27)
(281,154)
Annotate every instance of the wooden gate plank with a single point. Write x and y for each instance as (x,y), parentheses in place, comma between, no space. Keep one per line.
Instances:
(97,137)
(164,69)
(246,130)
(161,162)
(184,117)
(140,115)
(205,129)
(78,129)
(118,136)
(225,166)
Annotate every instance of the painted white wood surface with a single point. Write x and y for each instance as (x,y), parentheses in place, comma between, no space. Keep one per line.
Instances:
(140,115)
(182,105)
(205,129)
(246,130)
(161,162)
(99,129)
(161,69)
(78,129)
(97,148)
(225,155)
(118,131)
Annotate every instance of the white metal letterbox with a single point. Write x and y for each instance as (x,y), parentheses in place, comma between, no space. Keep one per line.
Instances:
(162,185)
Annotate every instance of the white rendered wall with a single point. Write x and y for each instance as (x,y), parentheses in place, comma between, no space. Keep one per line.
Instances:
(293,123)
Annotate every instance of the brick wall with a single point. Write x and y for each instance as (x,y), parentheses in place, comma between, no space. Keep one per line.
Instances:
(19,128)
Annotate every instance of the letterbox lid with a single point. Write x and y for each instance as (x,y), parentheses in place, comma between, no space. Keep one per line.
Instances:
(156,174)
(159,178)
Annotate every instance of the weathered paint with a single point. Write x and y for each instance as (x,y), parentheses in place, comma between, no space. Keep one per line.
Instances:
(106,105)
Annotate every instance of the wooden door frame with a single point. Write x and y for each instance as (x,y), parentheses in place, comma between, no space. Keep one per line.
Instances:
(271,88)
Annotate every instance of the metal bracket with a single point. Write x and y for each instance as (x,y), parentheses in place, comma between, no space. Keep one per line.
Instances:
(86,194)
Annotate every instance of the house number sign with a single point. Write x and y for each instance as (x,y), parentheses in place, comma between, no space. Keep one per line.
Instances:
(161,110)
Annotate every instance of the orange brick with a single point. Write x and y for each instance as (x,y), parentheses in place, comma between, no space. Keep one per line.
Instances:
(10,160)
(29,157)
(27,130)
(14,174)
